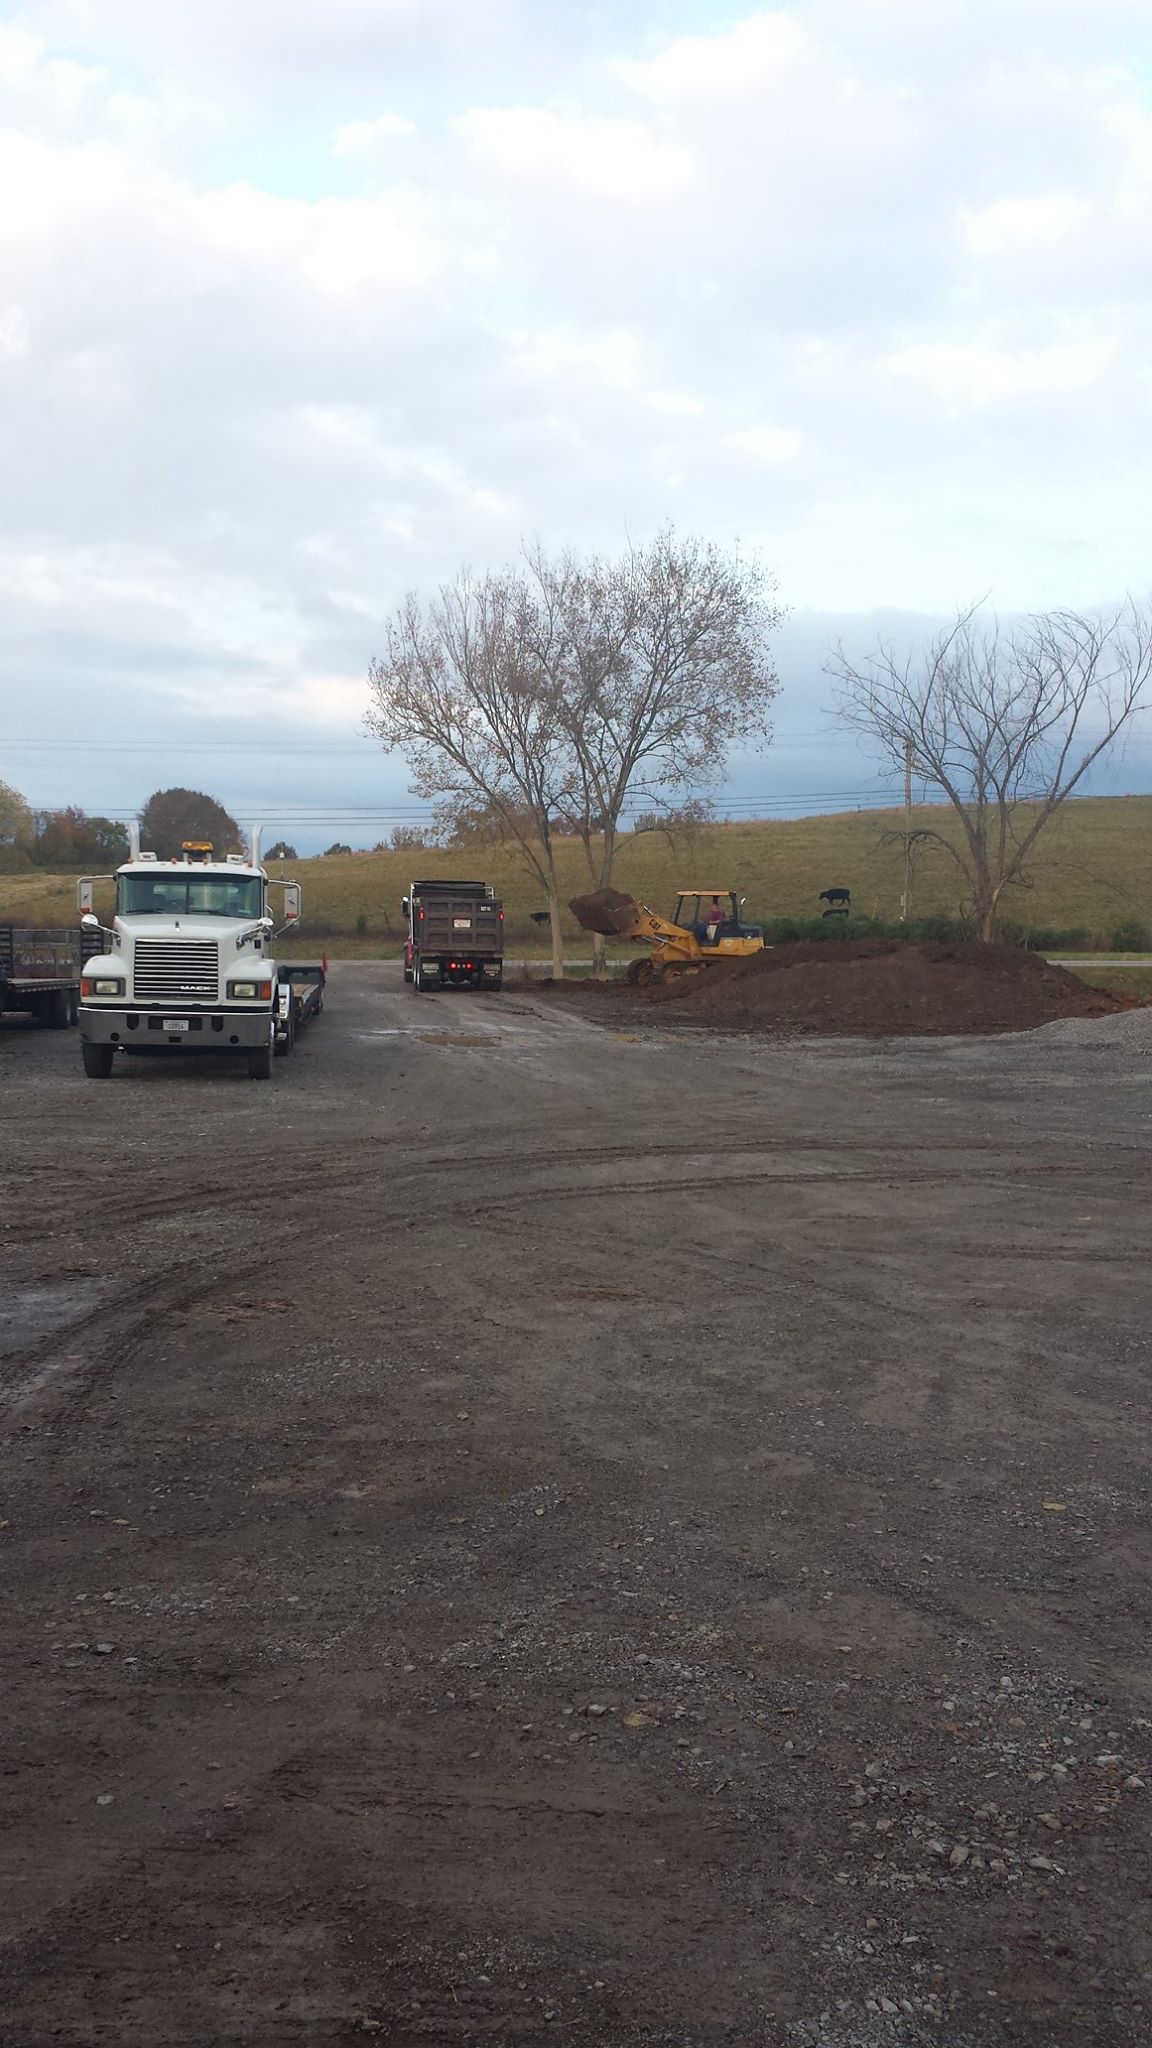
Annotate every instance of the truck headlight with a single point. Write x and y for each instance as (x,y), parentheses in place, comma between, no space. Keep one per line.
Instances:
(249,991)
(102,985)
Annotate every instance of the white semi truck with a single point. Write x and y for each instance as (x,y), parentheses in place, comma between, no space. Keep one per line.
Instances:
(188,964)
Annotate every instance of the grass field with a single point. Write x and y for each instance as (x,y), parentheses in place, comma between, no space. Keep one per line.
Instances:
(1135,980)
(1094,872)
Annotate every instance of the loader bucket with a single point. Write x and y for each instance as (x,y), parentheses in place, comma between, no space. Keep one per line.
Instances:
(606,912)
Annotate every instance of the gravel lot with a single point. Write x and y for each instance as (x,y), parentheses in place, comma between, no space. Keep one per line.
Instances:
(526,1531)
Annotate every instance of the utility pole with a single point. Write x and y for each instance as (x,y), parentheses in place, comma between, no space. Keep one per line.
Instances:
(909,757)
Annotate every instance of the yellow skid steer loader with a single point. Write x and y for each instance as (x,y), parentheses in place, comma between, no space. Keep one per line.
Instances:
(707,928)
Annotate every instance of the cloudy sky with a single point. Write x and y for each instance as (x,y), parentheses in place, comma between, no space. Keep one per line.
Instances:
(304,305)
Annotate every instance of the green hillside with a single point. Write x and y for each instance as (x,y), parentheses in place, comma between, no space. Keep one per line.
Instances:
(1094,871)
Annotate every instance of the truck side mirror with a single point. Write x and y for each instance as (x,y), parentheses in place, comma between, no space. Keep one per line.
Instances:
(292,901)
(85,895)
(404,905)
(90,922)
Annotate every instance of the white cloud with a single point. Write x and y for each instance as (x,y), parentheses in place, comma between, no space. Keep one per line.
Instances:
(969,375)
(609,159)
(365,141)
(300,306)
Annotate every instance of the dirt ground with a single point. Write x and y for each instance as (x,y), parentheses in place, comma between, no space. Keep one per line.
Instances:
(525,1531)
(872,986)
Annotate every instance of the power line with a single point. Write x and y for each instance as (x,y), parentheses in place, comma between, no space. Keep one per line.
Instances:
(222,743)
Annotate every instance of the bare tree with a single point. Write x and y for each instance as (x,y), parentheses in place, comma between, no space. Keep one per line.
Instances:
(657,662)
(458,689)
(1005,722)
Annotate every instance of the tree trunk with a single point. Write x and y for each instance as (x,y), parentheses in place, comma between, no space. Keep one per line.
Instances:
(557,938)
(607,857)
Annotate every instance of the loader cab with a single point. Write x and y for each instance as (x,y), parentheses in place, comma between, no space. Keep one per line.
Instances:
(713,910)
(696,910)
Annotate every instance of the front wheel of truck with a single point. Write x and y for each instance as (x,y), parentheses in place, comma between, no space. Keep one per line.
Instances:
(260,1064)
(60,1010)
(97,1060)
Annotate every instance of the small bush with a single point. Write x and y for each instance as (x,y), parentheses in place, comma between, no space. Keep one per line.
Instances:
(361,924)
(781,931)
(1055,938)
(1130,937)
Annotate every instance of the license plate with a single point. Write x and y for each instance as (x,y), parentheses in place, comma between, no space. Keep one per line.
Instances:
(175,1023)
(461,924)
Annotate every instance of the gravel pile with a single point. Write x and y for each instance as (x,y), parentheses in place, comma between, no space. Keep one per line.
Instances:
(1127,1030)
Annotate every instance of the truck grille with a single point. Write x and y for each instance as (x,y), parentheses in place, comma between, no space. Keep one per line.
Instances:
(176,971)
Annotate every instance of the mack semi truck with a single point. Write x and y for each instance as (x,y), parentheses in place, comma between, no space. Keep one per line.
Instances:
(188,964)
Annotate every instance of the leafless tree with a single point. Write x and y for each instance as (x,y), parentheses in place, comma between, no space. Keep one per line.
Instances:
(677,824)
(656,662)
(1005,721)
(459,690)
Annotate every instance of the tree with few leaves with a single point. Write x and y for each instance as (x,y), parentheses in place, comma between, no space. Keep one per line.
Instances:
(540,702)
(659,662)
(1005,721)
(173,815)
(459,690)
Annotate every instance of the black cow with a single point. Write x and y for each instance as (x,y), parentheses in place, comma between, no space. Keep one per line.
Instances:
(835,895)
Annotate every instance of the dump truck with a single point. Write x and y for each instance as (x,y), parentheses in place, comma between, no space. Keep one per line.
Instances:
(40,974)
(188,963)
(706,929)
(455,936)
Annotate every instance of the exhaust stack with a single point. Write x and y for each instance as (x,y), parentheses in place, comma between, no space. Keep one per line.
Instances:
(254,843)
(134,841)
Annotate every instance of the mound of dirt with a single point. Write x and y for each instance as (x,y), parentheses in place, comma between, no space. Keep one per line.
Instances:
(881,987)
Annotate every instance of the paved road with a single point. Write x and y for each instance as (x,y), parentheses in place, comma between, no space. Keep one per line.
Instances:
(517,1531)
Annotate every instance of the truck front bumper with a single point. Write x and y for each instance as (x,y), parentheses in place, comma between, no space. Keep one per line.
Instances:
(160,1030)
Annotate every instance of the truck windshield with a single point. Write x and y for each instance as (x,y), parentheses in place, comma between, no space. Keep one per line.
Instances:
(190,895)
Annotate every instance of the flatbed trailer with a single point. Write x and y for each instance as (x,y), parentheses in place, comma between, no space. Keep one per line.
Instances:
(40,974)
(299,998)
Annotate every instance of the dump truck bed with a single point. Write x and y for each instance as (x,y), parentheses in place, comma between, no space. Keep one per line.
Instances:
(448,920)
